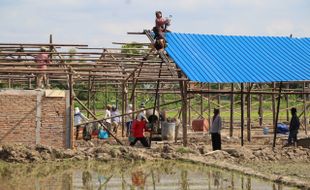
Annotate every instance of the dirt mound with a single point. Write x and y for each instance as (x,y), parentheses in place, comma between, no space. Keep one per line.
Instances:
(304,142)
(270,154)
(218,155)
(40,153)
(106,152)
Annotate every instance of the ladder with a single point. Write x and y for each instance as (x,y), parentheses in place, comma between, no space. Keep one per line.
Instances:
(161,54)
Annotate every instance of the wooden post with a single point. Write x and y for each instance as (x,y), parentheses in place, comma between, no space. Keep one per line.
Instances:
(249,112)
(158,109)
(116,97)
(184,117)
(273,103)
(94,99)
(126,96)
(242,113)
(71,94)
(219,96)
(287,104)
(260,110)
(123,108)
(106,95)
(209,104)
(29,83)
(133,98)
(10,82)
(276,118)
(183,89)
(231,128)
(50,58)
(157,89)
(157,99)
(201,101)
(305,107)
(189,113)
(88,94)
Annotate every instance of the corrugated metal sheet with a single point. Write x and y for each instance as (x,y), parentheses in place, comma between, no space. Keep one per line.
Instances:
(235,59)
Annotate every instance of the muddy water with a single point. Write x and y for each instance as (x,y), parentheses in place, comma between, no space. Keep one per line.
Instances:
(124,175)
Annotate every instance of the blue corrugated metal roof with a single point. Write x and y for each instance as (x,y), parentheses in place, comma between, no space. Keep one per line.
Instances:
(230,59)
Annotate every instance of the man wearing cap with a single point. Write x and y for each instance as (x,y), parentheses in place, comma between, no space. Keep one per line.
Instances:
(142,114)
(42,60)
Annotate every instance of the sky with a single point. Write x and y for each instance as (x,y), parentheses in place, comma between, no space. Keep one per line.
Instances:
(98,23)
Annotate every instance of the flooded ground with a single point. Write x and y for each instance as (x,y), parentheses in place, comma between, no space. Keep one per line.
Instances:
(126,175)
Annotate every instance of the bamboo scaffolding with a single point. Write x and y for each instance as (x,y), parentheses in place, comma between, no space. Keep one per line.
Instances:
(125,72)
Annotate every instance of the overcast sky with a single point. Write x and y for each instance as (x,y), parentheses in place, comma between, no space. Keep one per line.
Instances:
(100,22)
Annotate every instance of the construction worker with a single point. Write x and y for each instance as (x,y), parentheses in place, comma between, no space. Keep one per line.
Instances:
(159,30)
(139,126)
(161,25)
(294,126)
(42,60)
(216,130)
(79,117)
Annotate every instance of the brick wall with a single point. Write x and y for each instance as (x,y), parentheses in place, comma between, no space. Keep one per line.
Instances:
(32,117)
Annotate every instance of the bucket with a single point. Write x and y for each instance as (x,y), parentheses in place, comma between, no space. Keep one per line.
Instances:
(103,134)
(265,130)
(168,130)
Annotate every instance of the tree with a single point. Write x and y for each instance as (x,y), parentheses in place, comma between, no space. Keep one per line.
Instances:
(132,48)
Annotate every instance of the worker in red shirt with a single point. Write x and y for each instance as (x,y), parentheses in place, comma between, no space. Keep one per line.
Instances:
(139,126)
(159,30)
(42,60)
(161,24)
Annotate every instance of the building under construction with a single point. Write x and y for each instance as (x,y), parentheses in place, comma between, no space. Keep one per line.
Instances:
(201,71)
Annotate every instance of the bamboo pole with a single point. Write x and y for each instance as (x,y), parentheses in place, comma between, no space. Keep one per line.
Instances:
(120,115)
(242,113)
(41,44)
(260,110)
(209,104)
(305,108)
(276,117)
(71,94)
(189,113)
(249,113)
(94,99)
(123,108)
(133,99)
(219,95)
(231,129)
(184,117)
(135,81)
(273,103)
(100,121)
(201,102)
(88,94)
(287,104)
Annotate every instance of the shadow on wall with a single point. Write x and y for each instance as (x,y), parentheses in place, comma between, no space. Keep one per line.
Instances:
(15,127)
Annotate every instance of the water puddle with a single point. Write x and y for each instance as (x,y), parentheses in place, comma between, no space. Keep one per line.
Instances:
(126,176)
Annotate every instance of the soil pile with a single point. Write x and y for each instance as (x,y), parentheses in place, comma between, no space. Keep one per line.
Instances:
(270,154)
(106,152)
(27,154)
